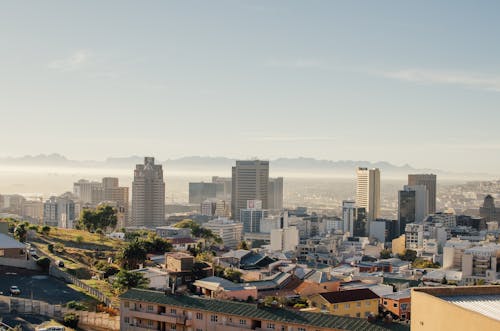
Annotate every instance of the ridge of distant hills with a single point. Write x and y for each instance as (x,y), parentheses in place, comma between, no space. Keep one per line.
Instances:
(196,162)
(298,165)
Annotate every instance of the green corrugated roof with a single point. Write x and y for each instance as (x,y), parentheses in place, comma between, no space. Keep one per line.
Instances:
(253,311)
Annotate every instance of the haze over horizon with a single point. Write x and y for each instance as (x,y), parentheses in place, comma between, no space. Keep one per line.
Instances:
(382,81)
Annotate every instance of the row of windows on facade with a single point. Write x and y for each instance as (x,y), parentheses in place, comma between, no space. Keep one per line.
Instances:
(346,305)
(404,306)
(214,318)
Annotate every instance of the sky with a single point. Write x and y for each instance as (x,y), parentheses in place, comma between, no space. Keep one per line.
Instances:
(398,81)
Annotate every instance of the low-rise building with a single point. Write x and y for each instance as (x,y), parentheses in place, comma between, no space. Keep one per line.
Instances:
(353,303)
(11,248)
(398,303)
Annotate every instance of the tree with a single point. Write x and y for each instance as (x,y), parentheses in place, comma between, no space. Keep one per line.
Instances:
(156,244)
(132,255)
(79,239)
(243,245)
(125,280)
(71,320)
(44,263)
(409,255)
(385,254)
(20,233)
(102,217)
(46,230)
(232,275)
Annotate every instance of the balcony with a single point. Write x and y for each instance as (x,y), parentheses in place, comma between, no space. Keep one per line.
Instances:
(167,318)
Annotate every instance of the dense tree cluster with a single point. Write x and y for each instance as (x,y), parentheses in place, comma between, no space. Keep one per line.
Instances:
(102,217)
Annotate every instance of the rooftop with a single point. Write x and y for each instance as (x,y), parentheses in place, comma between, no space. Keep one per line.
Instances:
(9,242)
(488,305)
(484,300)
(253,311)
(350,295)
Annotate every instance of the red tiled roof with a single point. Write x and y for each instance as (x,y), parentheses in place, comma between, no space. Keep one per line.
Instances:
(350,295)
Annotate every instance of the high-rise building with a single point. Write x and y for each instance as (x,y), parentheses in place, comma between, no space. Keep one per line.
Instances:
(59,211)
(224,187)
(368,192)
(349,215)
(117,195)
(412,205)
(148,195)
(250,180)
(489,211)
(252,216)
(88,192)
(429,181)
(199,192)
(275,194)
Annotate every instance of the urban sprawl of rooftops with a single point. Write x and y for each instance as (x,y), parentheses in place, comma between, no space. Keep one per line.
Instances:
(239,255)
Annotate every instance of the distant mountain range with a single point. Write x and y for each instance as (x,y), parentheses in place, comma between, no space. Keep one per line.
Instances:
(194,163)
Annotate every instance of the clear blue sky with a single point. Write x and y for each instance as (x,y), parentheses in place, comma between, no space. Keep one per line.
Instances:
(405,82)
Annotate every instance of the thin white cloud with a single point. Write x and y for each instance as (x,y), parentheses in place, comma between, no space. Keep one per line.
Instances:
(296,63)
(292,138)
(74,62)
(466,79)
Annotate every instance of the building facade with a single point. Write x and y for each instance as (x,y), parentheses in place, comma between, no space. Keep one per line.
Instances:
(148,195)
(250,180)
(430,183)
(275,194)
(368,191)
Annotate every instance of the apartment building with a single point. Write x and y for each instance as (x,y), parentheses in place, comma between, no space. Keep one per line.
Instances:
(144,310)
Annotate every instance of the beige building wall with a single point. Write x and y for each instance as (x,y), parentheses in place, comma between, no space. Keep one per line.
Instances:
(429,312)
(398,245)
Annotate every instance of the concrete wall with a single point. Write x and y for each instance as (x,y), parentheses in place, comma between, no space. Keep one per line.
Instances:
(27,306)
(19,263)
(428,312)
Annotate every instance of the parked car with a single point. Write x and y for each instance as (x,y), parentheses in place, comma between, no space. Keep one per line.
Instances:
(32,251)
(60,263)
(14,290)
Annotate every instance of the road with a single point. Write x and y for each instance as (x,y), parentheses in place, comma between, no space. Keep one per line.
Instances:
(37,286)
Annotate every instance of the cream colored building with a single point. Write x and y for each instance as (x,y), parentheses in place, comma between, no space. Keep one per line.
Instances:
(368,192)
(455,308)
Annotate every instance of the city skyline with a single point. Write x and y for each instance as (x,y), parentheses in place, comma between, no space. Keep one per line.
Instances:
(418,87)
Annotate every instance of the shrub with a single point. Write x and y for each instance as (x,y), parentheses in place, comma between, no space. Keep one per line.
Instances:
(109,310)
(76,305)
(46,230)
(79,239)
(50,247)
(71,320)
(44,263)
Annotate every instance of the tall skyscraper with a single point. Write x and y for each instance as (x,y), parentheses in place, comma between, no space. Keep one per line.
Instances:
(429,181)
(368,192)
(250,182)
(148,195)
(275,194)
(412,205)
